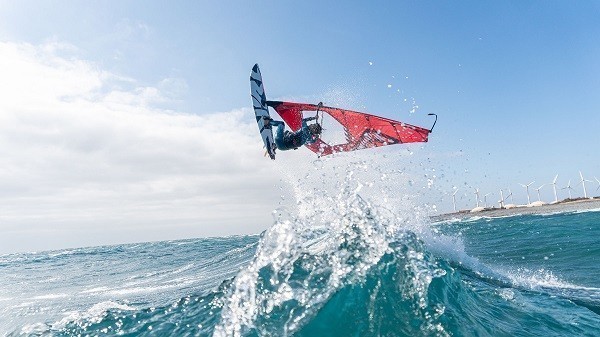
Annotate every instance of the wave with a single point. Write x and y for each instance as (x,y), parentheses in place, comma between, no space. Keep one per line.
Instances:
(361,282)
(341,265)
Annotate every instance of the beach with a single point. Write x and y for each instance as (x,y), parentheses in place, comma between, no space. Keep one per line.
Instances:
(562,206)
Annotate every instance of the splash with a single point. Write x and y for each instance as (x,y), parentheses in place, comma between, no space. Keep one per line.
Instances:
(333,243)
(77,319)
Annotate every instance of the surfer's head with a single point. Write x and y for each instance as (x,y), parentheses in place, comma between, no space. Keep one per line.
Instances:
(315,129)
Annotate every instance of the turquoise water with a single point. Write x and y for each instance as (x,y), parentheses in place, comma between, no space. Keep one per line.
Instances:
(355,269)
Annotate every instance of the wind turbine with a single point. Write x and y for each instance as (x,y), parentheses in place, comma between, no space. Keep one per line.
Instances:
(485,199)
(512,204)
(597,188)
(454,199)
(477,196)
(501,201)
(527,188)
(582,182)
(538,192)
(568,187)
(554,186)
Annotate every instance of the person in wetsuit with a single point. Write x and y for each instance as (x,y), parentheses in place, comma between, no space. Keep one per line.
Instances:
(288,140)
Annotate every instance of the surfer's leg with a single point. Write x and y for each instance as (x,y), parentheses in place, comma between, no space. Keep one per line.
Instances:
(274,122)
(279,135)
(279,132)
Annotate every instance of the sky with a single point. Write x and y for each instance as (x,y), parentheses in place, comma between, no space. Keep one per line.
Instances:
(131,121)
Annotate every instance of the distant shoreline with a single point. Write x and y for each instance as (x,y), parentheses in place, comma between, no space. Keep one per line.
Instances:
(567,205)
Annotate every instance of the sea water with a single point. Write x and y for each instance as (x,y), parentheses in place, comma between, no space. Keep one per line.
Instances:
(341,263)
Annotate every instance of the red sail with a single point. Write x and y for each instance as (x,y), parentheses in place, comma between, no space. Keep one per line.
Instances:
(362,130)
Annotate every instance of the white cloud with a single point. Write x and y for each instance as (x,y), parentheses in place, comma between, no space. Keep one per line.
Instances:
(86,157)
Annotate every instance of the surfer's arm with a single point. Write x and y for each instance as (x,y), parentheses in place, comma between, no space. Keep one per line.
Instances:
(304,120)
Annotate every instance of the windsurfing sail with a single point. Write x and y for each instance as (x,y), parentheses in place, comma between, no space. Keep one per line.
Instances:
(361,130)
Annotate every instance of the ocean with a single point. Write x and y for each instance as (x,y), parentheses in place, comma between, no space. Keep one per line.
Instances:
(341,263)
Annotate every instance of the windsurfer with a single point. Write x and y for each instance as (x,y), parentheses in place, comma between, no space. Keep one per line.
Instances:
(287,140)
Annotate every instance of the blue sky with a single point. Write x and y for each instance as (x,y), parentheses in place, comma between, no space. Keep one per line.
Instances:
(515,85)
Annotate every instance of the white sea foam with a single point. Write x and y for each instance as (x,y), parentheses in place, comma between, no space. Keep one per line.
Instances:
(50,296)
(93,314)
(101,289)
(34,329)
(507,293)
(62,252)
(182,269)
(588,210)
(543,279)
